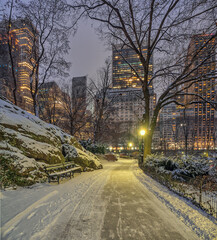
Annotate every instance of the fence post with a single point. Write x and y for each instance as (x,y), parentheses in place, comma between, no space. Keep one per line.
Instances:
(200,196)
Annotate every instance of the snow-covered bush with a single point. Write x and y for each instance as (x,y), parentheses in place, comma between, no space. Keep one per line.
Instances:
(161,162)
(181,168)
(93,147)
(69,152)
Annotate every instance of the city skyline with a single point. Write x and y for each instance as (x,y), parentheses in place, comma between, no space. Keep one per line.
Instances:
(123,77)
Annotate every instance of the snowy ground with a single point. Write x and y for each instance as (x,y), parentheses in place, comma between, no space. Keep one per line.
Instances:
(117,202)
(199,221)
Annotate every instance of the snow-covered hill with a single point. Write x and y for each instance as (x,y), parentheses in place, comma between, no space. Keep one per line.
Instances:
(27,143)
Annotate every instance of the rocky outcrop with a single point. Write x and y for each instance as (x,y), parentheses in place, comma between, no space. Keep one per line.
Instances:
(27,142)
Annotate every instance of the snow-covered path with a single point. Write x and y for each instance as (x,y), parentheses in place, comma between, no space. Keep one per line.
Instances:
(105,204)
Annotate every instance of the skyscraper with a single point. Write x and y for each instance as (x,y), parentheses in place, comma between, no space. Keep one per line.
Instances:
(82,115)
(79,88)
(123,75)
(126,92)
(202,54)
(25,49)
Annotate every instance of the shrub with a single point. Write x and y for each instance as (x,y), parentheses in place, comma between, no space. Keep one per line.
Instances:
(93,147)
(180,168)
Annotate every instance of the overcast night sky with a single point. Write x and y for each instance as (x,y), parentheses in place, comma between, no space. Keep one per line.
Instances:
(88,52)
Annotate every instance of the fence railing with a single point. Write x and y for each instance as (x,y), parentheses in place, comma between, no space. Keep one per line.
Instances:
(205,199)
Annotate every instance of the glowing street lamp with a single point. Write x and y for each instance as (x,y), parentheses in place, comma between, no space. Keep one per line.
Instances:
(130,144)
(142,132)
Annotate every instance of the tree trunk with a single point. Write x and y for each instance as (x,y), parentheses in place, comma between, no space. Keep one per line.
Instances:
(147,145)
(186,146)
(10,46)
(35,105)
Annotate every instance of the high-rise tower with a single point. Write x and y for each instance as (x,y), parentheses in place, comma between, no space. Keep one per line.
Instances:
(123,75)
(24,51)
(202,56)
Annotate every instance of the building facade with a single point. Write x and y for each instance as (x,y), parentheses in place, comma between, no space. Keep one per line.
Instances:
(127,106)
(24,52)
(169,135)
(79,88)
(123,75)
(50,103)
(202,55)
(193,127)
(82,116)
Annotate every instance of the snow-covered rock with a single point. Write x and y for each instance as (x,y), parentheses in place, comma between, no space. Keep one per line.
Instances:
(88,159)
(27,142)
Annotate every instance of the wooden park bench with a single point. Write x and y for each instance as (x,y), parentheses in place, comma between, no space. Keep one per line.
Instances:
(57,171)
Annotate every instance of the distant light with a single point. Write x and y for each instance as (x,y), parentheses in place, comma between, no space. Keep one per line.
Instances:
(130,144)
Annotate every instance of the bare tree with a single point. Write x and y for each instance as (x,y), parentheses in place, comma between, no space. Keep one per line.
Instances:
(163,137)
(75,112)
(50,103)
(102,104)
(163,28)
(48,22)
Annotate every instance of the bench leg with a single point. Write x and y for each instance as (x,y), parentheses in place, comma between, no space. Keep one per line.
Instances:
(58,179)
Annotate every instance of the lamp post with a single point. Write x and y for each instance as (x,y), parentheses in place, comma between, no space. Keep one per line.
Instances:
(142,133)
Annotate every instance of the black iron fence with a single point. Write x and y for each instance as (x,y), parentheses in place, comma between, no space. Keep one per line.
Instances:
(205,199)
(195,189)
